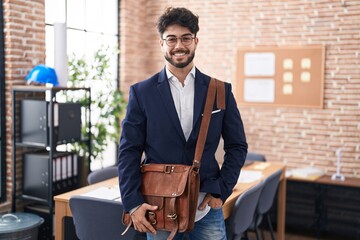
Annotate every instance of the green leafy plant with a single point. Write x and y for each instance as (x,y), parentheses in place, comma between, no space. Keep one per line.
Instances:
(107,102)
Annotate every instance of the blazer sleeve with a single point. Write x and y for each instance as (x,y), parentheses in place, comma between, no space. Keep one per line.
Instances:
(235,146)
(130,151)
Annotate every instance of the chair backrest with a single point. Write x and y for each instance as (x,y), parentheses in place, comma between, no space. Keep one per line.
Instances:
(96,218)
(252,156)
(268,192)
(102,174)
(243,211)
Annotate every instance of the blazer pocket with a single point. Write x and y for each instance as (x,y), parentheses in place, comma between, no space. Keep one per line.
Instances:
(214,112)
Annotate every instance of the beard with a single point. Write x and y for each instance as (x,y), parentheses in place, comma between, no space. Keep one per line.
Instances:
(182,64)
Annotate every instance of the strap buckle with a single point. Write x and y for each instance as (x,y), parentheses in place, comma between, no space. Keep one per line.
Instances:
(152,218)
(196,166)
(168,169)
(172,216)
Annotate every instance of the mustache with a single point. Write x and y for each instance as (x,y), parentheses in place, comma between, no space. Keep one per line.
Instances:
(180,51)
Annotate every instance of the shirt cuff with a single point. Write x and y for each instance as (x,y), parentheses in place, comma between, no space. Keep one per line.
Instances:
(134,209)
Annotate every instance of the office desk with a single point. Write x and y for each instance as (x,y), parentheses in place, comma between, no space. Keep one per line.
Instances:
(62,207)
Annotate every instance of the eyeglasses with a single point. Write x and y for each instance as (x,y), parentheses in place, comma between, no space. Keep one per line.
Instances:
(172,40)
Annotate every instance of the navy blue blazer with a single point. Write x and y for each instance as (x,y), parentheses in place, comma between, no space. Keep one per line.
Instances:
(151,125)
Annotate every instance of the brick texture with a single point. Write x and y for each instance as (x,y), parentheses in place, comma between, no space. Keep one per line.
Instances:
(295,136)
(24,23)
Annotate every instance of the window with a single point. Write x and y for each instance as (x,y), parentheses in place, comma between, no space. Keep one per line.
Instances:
(91,24)
(2,108)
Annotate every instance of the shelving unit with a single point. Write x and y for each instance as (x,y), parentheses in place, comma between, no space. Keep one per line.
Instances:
(47,121)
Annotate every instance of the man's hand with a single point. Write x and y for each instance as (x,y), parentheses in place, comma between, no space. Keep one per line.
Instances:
(213,202)
(139,220)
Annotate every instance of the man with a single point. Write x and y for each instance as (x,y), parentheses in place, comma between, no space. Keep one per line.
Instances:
(163,120)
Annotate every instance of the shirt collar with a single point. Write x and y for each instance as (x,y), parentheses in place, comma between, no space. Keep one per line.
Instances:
(171,76)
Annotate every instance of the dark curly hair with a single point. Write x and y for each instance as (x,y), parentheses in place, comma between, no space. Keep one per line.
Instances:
(180,16)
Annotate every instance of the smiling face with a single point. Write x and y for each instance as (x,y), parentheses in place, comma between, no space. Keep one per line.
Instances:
(180,55)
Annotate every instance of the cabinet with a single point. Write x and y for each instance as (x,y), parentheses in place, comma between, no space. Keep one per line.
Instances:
(47,124)
(323,207)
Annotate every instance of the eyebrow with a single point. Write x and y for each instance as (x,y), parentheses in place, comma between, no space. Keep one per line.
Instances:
(186,34)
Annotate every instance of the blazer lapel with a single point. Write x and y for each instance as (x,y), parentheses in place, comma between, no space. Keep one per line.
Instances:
(201,84)
(167,99)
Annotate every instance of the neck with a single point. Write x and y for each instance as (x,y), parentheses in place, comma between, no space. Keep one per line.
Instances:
(180,73)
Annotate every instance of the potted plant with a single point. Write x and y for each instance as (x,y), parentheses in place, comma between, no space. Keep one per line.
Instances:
(107,101)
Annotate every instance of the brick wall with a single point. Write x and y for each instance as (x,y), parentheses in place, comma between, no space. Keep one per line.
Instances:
(24,23)
(295,136)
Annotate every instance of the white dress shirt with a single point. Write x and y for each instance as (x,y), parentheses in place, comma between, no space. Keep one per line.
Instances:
(183,97)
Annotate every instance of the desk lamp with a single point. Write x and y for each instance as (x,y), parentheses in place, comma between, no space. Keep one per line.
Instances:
(337,175)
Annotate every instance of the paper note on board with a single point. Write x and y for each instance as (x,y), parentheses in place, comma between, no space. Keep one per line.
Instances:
(259,90)
(259,64)
(288,77)
(288,63)
(306,63)
(305,77)
(287,89)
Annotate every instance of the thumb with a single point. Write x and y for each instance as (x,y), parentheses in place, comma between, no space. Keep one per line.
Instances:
(150,207)
(204,203)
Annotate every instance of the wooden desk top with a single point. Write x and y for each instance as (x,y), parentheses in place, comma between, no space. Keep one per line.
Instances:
(266,168)
(66,196)
(348,182)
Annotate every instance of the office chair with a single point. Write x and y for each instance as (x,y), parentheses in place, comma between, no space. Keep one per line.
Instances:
(252,156)
(96,219)
(243,213)
(266,200)
(102,174)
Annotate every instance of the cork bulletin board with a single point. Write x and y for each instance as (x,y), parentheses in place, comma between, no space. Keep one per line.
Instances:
(281,76)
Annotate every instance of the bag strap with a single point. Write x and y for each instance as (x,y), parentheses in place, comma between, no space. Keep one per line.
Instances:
(217,88)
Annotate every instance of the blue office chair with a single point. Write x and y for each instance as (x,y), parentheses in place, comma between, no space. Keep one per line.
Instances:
(266,200)
(96,219)
(243,213)
(102,174)
(253,156)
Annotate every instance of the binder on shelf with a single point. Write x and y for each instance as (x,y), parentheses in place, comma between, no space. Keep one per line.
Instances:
(36,124)
(35,173)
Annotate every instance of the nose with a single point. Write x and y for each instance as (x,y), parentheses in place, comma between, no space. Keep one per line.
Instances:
(179,43)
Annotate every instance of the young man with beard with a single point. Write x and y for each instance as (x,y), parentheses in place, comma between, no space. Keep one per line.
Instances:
(163,121)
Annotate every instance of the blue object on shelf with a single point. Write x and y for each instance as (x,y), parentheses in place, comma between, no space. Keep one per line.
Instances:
(42,74)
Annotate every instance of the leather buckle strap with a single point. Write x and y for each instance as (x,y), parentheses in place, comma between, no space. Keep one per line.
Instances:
(173,216)
(168,169)
(152,217)
(196,166)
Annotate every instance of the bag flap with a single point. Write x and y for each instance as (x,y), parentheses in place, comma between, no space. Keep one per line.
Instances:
(164,180)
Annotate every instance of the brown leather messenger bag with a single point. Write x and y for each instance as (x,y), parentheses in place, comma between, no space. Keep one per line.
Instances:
(174,188)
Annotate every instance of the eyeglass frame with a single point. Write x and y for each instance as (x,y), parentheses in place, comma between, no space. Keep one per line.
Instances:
(181,39)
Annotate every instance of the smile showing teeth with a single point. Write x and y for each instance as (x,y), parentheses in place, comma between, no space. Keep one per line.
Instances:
(179,54)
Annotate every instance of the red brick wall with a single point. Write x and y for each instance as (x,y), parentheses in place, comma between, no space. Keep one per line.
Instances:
(24,23)
(295,136)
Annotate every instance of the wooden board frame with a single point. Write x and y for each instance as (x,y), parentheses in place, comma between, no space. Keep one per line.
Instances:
(296,77)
